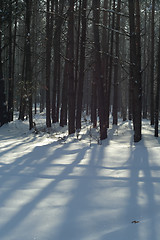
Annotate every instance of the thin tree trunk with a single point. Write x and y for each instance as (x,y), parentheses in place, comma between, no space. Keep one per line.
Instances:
(56,73)
(152,65)
(116,67)
(10,65)
(110,64)
(77,43)
(135,59)
(82,66)
(105,56)
(145,77)
(23,104)
(14,55)
(63,113)
(28,69)
(49,31)
(157,91)
(98,71)
(71,86)
(94,102)
(55,68)
(3,110)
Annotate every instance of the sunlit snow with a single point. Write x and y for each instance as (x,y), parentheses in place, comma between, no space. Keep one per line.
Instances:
(55,187)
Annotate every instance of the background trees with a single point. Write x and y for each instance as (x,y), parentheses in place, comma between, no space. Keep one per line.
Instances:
(71,57)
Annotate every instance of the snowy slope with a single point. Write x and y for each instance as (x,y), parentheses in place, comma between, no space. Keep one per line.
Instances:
(54,187)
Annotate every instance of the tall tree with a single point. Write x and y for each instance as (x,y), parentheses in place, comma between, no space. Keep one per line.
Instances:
(82,66)
(135,65)
(110,72)
(28,69)
(157,90)
(116,66)
(49,32)
(77,40)
(10,77)
(57,59)
(152,64)
(98,70)
(145,59)
(3,109)
(70,57)
(105,51)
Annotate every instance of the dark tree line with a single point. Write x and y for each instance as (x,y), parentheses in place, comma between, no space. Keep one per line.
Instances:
(100,57)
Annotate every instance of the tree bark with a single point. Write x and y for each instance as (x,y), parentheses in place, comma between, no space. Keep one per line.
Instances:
(105,55)
(157,91)
(77,50)
(98,71)
(71,92)
(28,69)
(10,66)
(56,72)
(152,65)
(108,91)
(49,32)
(116,67)
(63,113)
(82,66)
(135,61)
(94,102)
(3,110)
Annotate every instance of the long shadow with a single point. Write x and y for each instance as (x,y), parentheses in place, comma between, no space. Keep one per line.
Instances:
(77,222)
(15,145)
(36,170)
(10,148)
(17,169)
(141,202)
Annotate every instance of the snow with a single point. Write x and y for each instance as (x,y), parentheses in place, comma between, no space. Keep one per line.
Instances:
(56,187)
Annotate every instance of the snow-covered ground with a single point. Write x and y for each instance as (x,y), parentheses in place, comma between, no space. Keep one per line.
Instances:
(55,187)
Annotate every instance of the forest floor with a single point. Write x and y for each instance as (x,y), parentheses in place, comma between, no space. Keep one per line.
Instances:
(55,187)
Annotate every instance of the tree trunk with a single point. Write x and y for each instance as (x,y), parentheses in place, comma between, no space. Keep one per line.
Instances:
(108,91)
(10,65)
(78,4)
(116,67)
(152,65)
(124,75)
(94,102)
(71,93)
(56,72)
(63,113)
(105,55)
(98,71)
(14,57)
(82,66)
(49,31)
(145,77)
(135,61)
(157,91)
(3,110)
(28,69)
(23,104)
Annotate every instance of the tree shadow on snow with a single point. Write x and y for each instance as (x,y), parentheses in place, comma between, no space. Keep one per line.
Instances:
(141,206)
(23,172)
(80,221)
(141,211)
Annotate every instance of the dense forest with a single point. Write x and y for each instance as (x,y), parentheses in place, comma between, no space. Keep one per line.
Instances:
(70,57)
